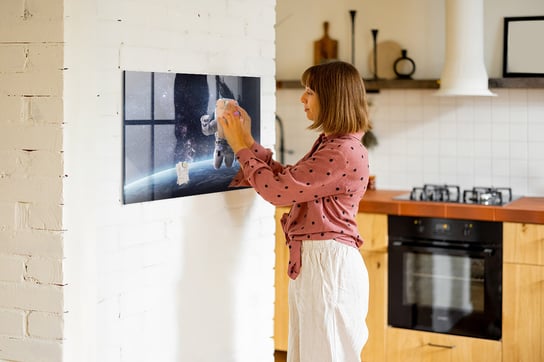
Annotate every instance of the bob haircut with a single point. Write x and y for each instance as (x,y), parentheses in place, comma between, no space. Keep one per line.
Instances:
(341,94)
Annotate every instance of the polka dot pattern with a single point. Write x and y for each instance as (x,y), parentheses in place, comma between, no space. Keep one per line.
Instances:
(324,189)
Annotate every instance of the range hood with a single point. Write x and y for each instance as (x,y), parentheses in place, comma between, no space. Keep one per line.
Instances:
(464,72)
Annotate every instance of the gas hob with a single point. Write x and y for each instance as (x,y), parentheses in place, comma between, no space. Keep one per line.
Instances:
(496,196)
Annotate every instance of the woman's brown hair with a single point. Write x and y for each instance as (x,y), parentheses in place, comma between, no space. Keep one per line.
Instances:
(342,98)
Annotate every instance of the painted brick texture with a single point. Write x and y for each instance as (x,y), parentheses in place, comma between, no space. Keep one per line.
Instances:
(82,277)
(31,171)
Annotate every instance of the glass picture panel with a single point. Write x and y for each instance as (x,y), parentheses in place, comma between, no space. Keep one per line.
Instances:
(171,144)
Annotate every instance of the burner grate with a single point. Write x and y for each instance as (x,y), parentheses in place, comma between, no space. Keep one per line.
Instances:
(452,193)
(430,192)
(487,195)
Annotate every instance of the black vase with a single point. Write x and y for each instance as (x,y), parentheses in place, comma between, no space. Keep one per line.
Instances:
(404,66)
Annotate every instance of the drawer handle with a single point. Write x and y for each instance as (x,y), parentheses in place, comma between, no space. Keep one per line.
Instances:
(440,345)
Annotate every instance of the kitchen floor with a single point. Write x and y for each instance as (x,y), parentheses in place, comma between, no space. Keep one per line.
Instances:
(280,356)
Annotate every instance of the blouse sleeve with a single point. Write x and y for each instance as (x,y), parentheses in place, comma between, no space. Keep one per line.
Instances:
(325,173)
(258,152)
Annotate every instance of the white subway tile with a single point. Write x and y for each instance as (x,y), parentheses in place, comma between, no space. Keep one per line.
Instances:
(536,185)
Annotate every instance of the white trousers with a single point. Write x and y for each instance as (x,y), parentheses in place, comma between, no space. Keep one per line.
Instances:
(328,304)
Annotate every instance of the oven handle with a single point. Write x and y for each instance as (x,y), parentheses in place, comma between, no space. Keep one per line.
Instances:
(440,245)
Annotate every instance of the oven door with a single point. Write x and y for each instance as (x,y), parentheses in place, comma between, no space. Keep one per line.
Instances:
(445,288)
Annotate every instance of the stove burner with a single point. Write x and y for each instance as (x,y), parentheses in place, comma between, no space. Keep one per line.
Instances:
(496,196)
(429,192)
(487,195)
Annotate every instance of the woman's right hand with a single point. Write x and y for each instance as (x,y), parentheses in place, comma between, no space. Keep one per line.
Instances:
(236,125)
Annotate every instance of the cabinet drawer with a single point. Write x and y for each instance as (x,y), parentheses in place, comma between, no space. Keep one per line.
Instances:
(523,243)
(414,346)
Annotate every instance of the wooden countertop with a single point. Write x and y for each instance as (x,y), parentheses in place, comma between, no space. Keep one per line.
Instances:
(523,210)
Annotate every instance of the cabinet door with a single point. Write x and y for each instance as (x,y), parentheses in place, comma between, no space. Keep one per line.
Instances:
(523,312)
(405,345)
(376,320)
(281,309)
(373,230)
(523,243)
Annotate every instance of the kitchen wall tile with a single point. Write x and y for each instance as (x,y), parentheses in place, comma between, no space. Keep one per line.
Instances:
(518,184)
(487,136)
(482,129)
(536,131)
(535,183)
(501,167)
(518,131)
(465,149)
(500,106)
(499,181)
(448,168)
(465,167)
(500,131)
(483,109)
(482,149)
(519,152)
(464,110)
(448,126)
(500,150)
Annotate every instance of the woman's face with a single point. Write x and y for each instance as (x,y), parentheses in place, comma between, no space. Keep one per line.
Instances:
(311,104)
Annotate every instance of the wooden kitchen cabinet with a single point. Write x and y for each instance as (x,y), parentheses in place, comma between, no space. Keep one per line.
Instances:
(373,230)
(416,346)
(523,292)
(281,310)
(523,243)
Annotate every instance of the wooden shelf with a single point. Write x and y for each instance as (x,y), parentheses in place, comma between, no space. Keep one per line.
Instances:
(373,85)
(377,84)
(535,82)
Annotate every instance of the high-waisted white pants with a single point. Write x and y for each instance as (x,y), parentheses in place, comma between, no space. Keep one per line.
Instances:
(328,304)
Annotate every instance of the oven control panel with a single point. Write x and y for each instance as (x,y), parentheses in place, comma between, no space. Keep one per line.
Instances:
(444,229)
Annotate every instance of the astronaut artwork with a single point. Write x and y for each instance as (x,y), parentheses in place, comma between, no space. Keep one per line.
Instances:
(222,151)
(173,145)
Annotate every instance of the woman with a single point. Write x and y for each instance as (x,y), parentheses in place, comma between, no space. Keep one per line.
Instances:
(328,290)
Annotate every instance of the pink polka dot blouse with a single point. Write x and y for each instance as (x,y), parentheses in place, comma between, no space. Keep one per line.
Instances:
(324,189)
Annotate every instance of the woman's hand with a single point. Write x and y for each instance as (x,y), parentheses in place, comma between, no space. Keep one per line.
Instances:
(236,125)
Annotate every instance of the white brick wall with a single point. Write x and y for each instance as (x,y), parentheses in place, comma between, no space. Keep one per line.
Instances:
(31,293)
(83,278)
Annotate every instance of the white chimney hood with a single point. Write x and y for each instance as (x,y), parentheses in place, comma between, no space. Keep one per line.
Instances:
(464,72)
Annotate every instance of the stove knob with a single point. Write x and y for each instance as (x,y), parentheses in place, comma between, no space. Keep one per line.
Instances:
(467,230)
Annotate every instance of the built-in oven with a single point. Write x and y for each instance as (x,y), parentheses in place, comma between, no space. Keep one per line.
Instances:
(445,276)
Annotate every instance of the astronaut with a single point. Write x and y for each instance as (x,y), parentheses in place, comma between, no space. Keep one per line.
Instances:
(222,151)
